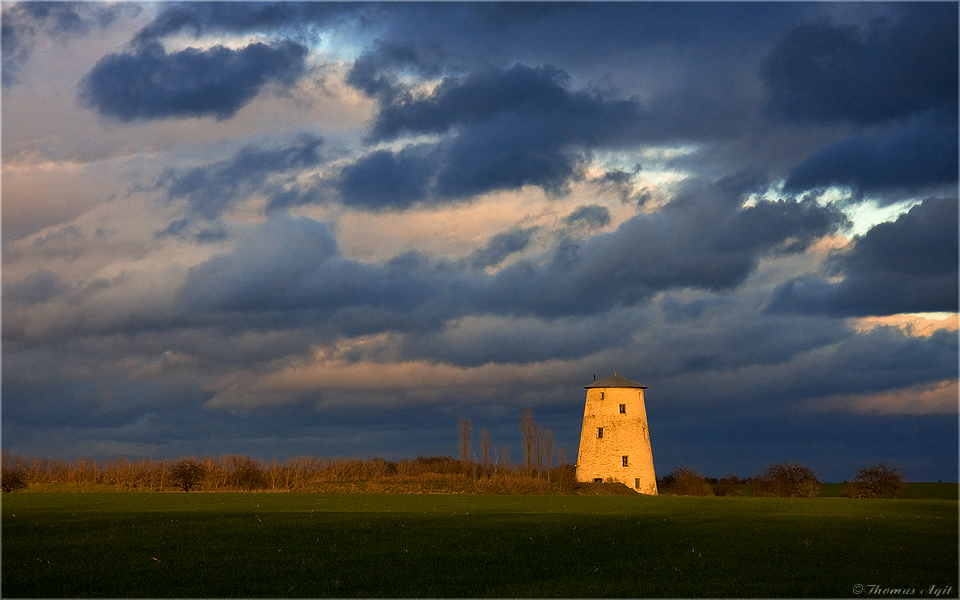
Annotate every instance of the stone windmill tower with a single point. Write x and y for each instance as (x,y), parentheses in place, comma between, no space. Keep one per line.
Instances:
(615,440)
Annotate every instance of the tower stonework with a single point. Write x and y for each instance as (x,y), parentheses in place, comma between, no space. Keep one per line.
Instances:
(615,440)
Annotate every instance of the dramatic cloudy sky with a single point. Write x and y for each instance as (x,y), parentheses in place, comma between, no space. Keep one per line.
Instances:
(336,229)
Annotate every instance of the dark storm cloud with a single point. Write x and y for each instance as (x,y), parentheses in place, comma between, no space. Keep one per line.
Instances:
(265,272)
(373,73)
(37,287)
(536,93)
(500,247)
(295,19)
(922,241)
(384,180)
(59,17)
(151,84)
(289,272)
(618,32)
(501,128)
(694,52)
(202,233)
(916,155)
(868,362)
(886,358)
(891,69)
(590,217)
(667,338)
(210,189)
(474,343)
(202,17)
(716,334)
(905,266)
(506,154)
(23,21)
(705,239)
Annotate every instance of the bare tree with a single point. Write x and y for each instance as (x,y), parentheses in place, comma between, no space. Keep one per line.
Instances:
(872,481)
(527,428)
(485,448)
(246,473)
(548,450)
(187,473)
(13,478)
(465,431)
(787,479)
(538,448)
(13,474)
(686,481)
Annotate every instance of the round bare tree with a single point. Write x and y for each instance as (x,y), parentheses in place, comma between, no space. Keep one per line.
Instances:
(187,473)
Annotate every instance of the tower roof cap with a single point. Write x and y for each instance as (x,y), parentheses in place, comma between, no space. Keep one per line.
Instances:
(615,381)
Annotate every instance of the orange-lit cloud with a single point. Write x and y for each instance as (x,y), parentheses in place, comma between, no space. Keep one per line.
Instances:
(341,381)
(919,325)
(940,399)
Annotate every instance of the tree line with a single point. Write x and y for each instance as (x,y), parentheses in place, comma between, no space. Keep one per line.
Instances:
(423,474)
(536,442)
(784,479)
(236,472)
(491,472)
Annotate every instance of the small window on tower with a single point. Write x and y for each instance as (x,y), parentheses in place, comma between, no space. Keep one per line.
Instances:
(626,462)
(636,482)
(623,409)
(601,395)
(599,432)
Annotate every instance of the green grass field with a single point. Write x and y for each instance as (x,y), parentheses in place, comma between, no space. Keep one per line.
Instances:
(911,491)
(354,545)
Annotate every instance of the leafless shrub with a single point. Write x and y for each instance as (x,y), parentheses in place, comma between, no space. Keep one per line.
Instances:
(874,480)
(565,475)
(428,464)
(686,481)
(787,479)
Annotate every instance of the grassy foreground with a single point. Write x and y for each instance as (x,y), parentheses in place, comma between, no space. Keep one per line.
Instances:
(357,545)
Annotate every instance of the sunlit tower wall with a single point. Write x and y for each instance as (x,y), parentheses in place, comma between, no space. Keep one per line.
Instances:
(615,439)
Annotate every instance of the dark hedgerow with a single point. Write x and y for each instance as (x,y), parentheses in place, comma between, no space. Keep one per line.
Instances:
(685,481)
(787,479)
